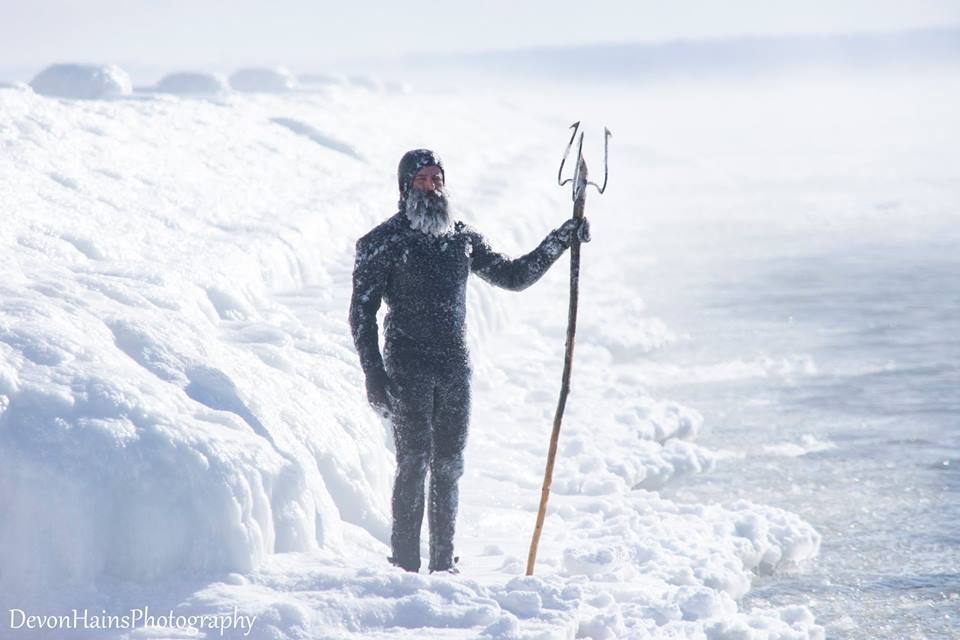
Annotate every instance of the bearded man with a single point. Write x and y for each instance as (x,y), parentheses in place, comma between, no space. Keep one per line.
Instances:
(417,262)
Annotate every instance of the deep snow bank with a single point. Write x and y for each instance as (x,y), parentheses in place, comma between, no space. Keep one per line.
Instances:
(158,416)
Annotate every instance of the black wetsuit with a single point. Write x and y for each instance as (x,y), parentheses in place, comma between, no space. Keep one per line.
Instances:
(423,280)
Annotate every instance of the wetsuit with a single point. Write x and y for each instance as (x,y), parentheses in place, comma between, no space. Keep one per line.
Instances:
(423,280)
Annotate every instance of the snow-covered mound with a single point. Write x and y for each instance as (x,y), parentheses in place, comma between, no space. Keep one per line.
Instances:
(322,79)
(192,83)
(182,416)
(82,81)
(261,80)
(370,83)
(404,88)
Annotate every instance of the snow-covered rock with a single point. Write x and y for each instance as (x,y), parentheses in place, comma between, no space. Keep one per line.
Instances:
(82,81)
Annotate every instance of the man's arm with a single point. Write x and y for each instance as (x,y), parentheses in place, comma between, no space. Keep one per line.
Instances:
(370,273)
(518,274)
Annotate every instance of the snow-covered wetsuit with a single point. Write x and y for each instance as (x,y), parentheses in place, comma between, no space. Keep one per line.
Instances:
(423,280)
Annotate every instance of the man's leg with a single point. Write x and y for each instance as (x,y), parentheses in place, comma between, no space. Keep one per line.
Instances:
(411,431)
(450,421)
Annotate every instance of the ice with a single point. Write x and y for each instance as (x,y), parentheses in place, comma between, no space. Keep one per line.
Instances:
(82,81)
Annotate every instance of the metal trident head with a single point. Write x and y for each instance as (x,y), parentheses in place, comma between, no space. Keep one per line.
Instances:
(579,173)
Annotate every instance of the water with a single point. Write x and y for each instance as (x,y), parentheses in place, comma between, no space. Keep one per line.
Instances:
(860,349)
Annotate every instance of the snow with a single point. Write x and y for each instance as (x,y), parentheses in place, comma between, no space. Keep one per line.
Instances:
(263,80)
(182,421)
(322,79)
(809,443)
(323,139)
(192,82)
(82,81)
(369,83)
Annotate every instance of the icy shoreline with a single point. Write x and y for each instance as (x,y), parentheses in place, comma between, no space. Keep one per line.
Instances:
(180,403)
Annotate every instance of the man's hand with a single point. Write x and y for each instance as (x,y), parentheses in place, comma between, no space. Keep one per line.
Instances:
(380,391)
(580,226)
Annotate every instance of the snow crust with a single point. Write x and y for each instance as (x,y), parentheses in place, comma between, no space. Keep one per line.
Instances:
(82,81)
(182,418)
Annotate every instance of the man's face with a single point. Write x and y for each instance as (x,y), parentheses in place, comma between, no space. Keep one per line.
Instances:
(429,179)
(426,204)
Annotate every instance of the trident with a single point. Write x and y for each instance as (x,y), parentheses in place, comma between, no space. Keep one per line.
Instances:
(579,193)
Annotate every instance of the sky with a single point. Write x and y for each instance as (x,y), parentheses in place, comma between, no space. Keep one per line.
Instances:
(212,34)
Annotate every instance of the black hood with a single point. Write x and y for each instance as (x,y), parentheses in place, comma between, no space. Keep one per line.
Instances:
(411,163)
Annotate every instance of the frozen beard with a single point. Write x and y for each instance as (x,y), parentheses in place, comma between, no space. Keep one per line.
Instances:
(428,212)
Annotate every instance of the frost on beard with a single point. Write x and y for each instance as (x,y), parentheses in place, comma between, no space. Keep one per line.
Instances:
(428,212)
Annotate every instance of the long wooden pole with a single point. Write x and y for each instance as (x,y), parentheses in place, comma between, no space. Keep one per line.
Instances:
(567,367)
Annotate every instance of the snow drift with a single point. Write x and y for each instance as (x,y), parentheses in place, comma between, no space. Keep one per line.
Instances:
(322,79)
(190,82)
(135,444)
(263,80)
(82,81)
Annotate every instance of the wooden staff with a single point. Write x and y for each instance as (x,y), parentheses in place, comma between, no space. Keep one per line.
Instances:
(567,365)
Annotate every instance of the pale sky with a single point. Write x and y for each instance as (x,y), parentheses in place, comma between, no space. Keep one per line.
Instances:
(210,33)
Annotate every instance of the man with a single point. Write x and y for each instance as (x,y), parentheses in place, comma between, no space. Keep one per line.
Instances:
(418,262)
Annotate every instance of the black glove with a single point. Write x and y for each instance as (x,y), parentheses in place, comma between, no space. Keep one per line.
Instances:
(380,391)
(580,226)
